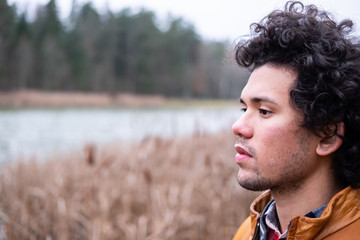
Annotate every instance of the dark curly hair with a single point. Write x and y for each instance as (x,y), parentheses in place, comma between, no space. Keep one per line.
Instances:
(326,58)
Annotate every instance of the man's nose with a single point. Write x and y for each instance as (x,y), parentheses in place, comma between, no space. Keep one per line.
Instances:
(243,127)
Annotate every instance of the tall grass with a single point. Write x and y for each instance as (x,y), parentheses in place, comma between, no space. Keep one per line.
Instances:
(184,188)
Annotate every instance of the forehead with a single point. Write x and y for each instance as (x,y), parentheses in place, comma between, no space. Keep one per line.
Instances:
(270,81)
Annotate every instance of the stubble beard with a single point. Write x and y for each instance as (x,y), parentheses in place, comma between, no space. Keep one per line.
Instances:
(291,176)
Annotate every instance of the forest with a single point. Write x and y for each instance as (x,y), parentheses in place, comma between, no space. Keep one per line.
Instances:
(133,67)
(112,52)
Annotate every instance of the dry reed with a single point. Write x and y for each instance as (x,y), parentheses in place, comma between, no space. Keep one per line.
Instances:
(184,188)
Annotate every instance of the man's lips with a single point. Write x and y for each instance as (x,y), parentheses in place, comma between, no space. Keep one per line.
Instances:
(242,155)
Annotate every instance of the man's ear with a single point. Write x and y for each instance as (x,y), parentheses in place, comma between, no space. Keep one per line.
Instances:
(329,145)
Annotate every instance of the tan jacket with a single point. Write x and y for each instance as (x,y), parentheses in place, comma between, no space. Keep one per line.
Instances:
(340,219)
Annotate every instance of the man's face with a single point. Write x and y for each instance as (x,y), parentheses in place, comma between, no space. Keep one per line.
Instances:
(273,150)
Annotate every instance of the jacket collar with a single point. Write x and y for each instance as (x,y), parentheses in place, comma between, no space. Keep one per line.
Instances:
(342,210)
(257,207)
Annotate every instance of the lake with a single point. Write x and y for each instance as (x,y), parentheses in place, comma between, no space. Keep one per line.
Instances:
(40,133)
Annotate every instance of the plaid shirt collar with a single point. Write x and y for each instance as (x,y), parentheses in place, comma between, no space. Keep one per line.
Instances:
(272,224)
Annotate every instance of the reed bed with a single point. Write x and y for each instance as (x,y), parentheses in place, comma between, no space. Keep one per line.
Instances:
(182,188)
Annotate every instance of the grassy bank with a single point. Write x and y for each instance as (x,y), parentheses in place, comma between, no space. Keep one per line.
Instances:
(183,188)
(39,99)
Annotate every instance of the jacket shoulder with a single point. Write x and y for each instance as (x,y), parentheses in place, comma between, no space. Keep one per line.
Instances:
(350,232)
(243,233)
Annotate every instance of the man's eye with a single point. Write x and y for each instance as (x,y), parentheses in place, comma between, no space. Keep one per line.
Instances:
(264,112)
(243,109)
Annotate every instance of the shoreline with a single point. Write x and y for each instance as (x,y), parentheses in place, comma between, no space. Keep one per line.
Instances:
(25,99)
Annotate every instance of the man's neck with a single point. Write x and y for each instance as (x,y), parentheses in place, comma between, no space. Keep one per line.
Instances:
(313,193)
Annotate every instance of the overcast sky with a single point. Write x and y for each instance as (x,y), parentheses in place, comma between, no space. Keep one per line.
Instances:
(213,19)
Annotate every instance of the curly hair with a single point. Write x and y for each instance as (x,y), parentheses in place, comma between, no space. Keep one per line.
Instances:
(326,58)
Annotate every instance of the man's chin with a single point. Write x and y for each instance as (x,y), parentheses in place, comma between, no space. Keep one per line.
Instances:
(254,184)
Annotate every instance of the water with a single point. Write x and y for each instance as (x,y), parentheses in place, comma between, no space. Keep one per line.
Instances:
(41,133)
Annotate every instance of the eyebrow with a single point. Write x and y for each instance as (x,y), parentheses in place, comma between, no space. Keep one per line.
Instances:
(260,99)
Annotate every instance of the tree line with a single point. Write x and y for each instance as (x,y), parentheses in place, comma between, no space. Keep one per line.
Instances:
(111,52)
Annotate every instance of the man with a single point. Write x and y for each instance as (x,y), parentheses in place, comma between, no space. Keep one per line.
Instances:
(299,134)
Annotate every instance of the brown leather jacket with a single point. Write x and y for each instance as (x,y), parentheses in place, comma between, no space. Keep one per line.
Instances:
(339,220)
